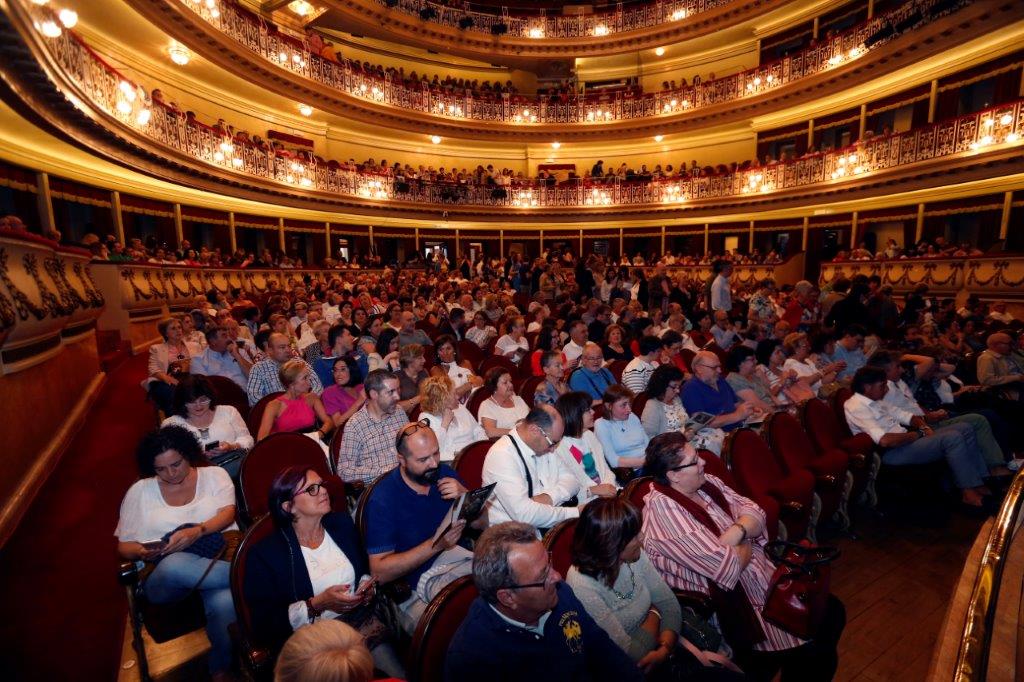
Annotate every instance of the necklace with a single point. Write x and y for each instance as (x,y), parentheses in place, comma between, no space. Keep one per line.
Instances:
(632,586)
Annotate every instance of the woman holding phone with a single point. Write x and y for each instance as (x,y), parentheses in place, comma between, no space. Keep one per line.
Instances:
(312,568)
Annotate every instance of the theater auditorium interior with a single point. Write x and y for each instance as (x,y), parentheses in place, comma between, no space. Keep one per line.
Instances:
(562,340)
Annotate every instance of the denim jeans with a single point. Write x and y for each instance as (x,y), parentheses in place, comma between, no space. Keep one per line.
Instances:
(956,443)
(173,580)
(991,452)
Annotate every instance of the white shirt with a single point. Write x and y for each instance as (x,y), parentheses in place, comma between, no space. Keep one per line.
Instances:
(511,499)
(637,374)
(327,566)
(504,417)
(507,344)
(481,337)
(332,313)
(462,431)
(587,443)
(721,294)
(874,417)
(803,369)
(901,397)
(572,351)
(146,516)
(227,426)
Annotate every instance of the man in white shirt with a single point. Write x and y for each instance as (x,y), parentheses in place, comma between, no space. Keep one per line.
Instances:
(999,314)
(577,340)
(638,372)
(867,412)
(723,331)
(721,291)
(221,358)
(301,312)
(531,480)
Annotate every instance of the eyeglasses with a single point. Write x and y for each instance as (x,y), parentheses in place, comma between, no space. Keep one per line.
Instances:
(551,443)
(313,489)
(410,429)
(685,466)
(200,402)
(718,366)
(544,583)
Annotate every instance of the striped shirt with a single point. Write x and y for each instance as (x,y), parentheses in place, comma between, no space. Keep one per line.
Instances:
(637,374)
(688,555)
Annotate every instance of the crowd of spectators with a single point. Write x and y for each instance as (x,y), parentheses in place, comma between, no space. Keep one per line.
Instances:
(939,247)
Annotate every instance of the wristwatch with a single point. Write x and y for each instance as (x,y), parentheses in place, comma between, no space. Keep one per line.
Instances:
(311,611)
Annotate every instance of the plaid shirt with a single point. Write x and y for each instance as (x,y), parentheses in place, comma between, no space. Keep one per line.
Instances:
(368,445)
(263,380)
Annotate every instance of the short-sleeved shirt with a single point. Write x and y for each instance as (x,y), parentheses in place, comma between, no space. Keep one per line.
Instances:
(699,397)
(398,518)
(146,516)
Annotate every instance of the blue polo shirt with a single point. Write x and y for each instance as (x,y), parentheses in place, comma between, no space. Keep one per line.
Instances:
(591,383)
(699,397)
(398,518)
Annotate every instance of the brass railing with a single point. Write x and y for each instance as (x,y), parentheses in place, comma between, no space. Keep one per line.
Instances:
(292,53)
(129,103)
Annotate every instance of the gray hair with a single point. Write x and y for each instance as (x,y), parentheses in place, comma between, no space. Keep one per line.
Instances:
(374,381)
(491,570)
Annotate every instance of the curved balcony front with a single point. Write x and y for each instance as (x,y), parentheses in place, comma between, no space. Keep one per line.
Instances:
(243,43)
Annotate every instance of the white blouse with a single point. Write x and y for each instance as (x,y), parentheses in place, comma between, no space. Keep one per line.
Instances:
(146,516)
(462,431)
(507,344)
(227,426)
(804,369)
(327,566)
(505,417)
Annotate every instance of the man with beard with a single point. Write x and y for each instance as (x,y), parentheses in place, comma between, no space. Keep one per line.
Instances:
(367,450)
(408,537)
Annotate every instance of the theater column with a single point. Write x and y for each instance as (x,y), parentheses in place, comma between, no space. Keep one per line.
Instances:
(417,233)
(115,214)
(373,251)
(457,243)
(622,235)
(501,243)
(327,239)
(1004,223)
(280,234)
(933,98)
(662,240)
(863,121)
(232,237)
(45,204)
(179,230)
(707,237)
(853,231)
(919,232)
(803,240)
(871,9)
(750,241)
(580,253)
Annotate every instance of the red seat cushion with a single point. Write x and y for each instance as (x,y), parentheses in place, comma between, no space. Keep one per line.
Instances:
(469,464)
(437,627)
(558,541)
(268,458)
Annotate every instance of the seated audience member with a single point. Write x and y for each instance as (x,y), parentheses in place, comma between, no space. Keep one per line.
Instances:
(386,355)
(671,345)
(324,651)
(513,345)
(482,332)
(532,481)
(702,536)
(527,624)
(298,410)
(580,450)
(409,334)
(454,326)
(573,349)
(849,349)
(221,358)
(405,517)
(999,314)
(454,425)
(899,395)
(999,367)
(749,385)
(411,375)
(265,375)
(664,411)
(621,590)
(321,347)
(638,372)
(867,412)
(345,396)
(503,409)
(553,386)
(614,346)
(723,331)
(312,569)
(368,446)
(548,339)
(708,392)
(168,362)
(619,431)
(785,385)
(220,429)
(342,345)
(179,501)
(464,379)
(797,348)
(591,377)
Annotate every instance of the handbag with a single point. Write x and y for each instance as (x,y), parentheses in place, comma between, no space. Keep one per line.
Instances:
(798,594)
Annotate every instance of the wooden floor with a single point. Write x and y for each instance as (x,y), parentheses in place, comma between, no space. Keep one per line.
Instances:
(896,582)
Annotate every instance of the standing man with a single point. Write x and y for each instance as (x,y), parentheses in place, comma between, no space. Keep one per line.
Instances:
(721,290)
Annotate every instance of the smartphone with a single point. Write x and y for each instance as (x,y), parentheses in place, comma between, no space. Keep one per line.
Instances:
(367,586)
(212,445)
(154,546)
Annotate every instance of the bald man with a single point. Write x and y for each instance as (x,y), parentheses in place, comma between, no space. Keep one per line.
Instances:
(591,377)
(998,367)
(708,391)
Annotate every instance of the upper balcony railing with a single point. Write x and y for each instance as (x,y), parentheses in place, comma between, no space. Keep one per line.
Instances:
(263,39)
(127,102)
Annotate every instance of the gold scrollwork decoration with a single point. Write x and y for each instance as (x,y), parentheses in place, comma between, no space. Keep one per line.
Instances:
(92,292)
(48,301)
(70,298)
(972,277)
(128,275)
(1009,282)
(178,292)
(155,289)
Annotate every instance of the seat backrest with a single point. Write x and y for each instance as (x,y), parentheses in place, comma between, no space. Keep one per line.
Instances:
(436,629)
(967,370)
(752,462)
(820,424)
(714,465)
(257,532)
(469,464)
(637,489)
(788,440)
(266,460)
(528,388)
(617,367)
(478,397)
(558,541)
(639,402)
(717,350)
(364,499)
(837,402)
(471,352)
(257,410)
(492,361)
(228,392)
(687,355)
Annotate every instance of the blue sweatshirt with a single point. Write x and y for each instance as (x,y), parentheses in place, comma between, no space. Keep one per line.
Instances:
(573,649)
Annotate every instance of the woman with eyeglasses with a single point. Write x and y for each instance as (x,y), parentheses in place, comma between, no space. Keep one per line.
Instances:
(174,504)
(482,330)
(312,568)
(702,536)
(623,592)
(220,429)
(664,411)
(298,410)
(168,363)
(748,384)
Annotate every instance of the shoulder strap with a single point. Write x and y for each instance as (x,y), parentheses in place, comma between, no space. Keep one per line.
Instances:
(526,469)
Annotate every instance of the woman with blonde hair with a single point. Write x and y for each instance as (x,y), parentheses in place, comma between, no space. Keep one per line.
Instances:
(299,409)
(325,651)
(453,424)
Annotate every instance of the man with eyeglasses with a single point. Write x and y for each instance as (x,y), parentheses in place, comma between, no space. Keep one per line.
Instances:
(708,392)
(532,480)
(527,624)
(591,377)
(264,376)
(999,369)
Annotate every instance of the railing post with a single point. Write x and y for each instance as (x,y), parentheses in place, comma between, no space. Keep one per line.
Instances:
(327,238)
(803,240)
(863,121)
(280,234)
(750,240)
(853,231)
(179,231)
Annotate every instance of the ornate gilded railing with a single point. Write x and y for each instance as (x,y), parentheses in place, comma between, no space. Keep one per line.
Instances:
(127,102)
(255,34)
(997,277)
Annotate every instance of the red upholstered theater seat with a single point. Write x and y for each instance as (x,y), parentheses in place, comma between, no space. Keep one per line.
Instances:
(558,541)
(639,402)
(826,433)
(257,410)
(492,361)
(469,464)
(266,460)
(687,355)
(617,367)
(759,474)
(471,352)
(637,489)
(528,387)
(714,465)
(478,397)
(230,393)
(792,447)
(436,628)
(256,659)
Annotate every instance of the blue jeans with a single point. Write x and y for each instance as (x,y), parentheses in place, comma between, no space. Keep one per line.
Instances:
(956,443)
(173,580)
(983,434)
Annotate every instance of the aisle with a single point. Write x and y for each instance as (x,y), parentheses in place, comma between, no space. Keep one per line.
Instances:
(64,609)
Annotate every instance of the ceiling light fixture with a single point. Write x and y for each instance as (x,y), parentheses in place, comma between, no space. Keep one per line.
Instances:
(305,110)
(436,139)
(659,51)
(659,138)
(68,17)
(179,54)
(50,29)
(556,145)
(301,8)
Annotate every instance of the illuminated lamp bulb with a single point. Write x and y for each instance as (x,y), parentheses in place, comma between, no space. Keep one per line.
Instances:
(123,106)
(986,140)
(988,122)
(1012,137)
(282,57)
(679,14)
(659,138)
(674,102)
(305,110)
(179,54)
(757,81)
(40,2)
(236,162)
(600,30)
(686,104)
(50,29)
(68,17)
(215,13)
(127,89)
(769,79)
(536,32)
(750,86)
(227,147)
(210,4)
(660,51)
(435,139)
(556,145)
(1005,120)
(218,157)
(143,117)
(306,182)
